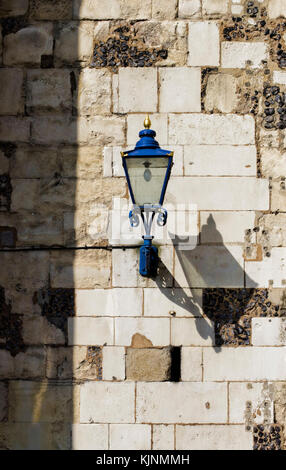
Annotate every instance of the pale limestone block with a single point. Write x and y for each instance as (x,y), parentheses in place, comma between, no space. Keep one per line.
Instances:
(226,227)
(3,401)
(11,92)
(163,437)
(117,167)
(180,89)
(107,161)
(278,196)
(101,130)
(189,8)
(231,193)
(74,44)
(113,363)
(270,271)
(117,9)
(90,331)
(82,162)
(135,124)
(80,270)
(155,330)
(10,8)
(269,138)
(35,277)
(38,330)
(203,44)
(182,402)
(221,93)
(178,168)
(148,364)
(48,91)
(279,77)
(237,9)
(28,45)
(220,160)
(107,402)
(268,331)
(130,436)
(163,10)
(191,364)
(274,226)
(94,92)
(115,93)
(239,54)
(243,364)
(90,436)
(14,129)
(276,8)
(273,162)
(50,10)
(213,437)
(40,402)
(209,266)
(214,129)
(192,332)
(137,90)
(109,302)
(215,7)
(36,436)
(124,268)
(166,302)
(251,403)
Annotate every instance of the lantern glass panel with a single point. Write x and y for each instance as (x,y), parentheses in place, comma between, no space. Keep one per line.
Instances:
(147,176)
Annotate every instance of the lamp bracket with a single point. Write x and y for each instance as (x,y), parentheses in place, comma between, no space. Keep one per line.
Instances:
(147,214)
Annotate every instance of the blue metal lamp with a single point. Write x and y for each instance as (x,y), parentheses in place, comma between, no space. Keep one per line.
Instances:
(147,169)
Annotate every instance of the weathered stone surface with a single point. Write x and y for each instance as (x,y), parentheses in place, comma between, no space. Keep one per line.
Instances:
(14,129)
(176,94)
(221,93)
(81,162)
(35,276)
(48,91)
(137,90)
(60,363)
(34,162)
(189,8)
(74,43)
(11,91)
(238,54)
(148,365)
(273,163)
(90,436)
(251,403)
(156,330)
(214,7)
(38,330)
(131,436)
(215,437)
(164,11)
(113,363)
(276,8)
(163,437)
(51,9)
(109,302)
(3,402)
(272,229)
(94,92)
(228,227)
(28,45)
(203,42)
(35,436)
(115,10)
(10,8)
(278,196)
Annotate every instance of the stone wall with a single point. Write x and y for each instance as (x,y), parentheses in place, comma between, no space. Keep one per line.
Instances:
(91,354)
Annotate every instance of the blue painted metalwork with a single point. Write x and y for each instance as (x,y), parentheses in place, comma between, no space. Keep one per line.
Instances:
(147,146)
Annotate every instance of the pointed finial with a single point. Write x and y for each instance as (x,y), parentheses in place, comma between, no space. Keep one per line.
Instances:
(147,122)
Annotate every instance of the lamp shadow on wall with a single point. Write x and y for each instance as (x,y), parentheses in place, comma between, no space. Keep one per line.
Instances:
(219,277)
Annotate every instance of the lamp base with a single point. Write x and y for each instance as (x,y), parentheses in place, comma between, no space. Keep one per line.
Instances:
(148,259)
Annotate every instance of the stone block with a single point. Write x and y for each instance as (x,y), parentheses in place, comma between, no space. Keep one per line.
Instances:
(11,92)
(192,332)
(3,402)
(90,331)
(94,92)
(232,193)
(181,402)
(167,302)
(148,364)
(90,436)
(14,129)
(214,129)
(30,364)
(276,9)
(109,302)
(113,363)
(189,8)
(251,403)
(74,43)
(191,364)
(271,271)
(221,93)
(51,10)
(60,362)
(28,45)
(135,123)
(137,90)
(124,268)
(245,364)
(36,436)
(107,402)
(210,266)
(278,196)
(214,7)
(48,91)
(117,9)
(39,331)
(6,365)
(35,277)
(273,162)
(163,437)
(10,8)
(156,331)
(279,77)
(213,437)
(203,43)
(180,90)
(130,436)
(272,229)
(268,331)
(239,54)
(227,227)
(34,162)
(164,11)
(220,160)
